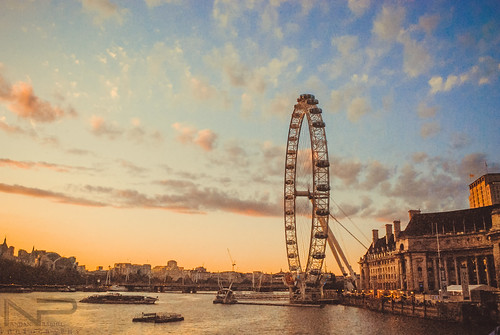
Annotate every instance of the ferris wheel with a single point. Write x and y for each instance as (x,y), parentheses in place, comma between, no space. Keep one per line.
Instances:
(306,189)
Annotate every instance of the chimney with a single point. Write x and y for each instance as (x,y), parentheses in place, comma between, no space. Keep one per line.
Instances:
(397,229)
(413,212)
(375,236)
(388,233)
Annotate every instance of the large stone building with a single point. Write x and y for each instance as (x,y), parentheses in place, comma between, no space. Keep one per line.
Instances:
(432,249)
(485,191)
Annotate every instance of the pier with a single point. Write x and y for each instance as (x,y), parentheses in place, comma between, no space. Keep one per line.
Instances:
(263,303)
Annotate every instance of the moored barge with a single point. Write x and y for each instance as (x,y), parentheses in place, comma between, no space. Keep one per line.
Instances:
(117,298)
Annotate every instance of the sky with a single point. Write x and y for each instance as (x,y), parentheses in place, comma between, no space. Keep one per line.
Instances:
(145,131)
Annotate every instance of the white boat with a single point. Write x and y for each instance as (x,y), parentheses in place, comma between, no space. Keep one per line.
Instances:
(117,288)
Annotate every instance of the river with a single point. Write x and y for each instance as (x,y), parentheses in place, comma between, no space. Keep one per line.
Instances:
(18,315)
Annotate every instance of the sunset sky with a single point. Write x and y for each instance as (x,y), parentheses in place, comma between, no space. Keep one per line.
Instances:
(144,131)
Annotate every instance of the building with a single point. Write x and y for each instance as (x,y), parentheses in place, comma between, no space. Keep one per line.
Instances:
(434,250)
(170,271)
(126,269)
(485,191)
(49,260)
(6,251)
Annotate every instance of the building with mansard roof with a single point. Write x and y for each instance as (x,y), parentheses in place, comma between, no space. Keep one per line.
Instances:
(433,249)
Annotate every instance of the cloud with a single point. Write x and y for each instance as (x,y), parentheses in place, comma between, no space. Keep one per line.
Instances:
(473,164)
(247,104)
(255,78)
(35,165)
(204,138)
(438,85)
(104,10)
(436,183)
(486,71)
(376,173)
(184,197)
(14,129)
(202,90)
(432,191)
(345,44)
(225,13)
(131,168)
(417,59)
(350,59)
(280,105)
(388,23)
(187,197)
(358,7)
(428,23)
(430,129)
(419,157)
(348,98)
(425,111)
(39,193)
(101,127)
(460,140)
(348,170)
(21,100)
(156,3)
(358,107)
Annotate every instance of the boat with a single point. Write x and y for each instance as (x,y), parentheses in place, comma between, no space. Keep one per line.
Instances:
(158,317)
(225,296)
(117,298)
(117,288)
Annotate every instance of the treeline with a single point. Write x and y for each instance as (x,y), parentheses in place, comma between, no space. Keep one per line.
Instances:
(12,272)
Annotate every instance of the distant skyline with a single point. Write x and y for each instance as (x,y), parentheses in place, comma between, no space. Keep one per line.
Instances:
(144,131)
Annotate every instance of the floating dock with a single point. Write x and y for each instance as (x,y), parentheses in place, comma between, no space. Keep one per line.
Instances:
(261,303)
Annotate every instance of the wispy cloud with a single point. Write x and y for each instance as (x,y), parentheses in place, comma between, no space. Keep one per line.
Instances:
(101,127)
(104,10)
(21,100)
(204,138)
(39,193)
(486,71)
(430,129)
(4,162)
(388,23)
(358,7)
(192,199)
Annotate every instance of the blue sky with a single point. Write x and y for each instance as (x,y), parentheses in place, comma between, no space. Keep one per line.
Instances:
(145,131)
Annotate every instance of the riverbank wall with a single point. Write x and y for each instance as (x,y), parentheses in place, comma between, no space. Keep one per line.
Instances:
(452,311)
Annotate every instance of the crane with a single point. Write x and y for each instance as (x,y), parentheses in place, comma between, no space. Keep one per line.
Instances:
(233,263)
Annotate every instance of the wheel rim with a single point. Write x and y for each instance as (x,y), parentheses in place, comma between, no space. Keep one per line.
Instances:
(307,114)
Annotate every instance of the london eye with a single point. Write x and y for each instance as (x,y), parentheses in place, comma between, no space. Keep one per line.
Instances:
(306,191)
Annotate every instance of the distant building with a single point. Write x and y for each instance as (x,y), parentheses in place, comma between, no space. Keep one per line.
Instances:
(171,271)
(126,269)
(27,258)
(485,191)
(6,252)
(435,245)
(53,261)
(49,260)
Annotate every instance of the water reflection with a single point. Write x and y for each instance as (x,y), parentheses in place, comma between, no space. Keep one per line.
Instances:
(203,317)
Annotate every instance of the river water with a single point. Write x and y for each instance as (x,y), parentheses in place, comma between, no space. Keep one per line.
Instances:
(18,315)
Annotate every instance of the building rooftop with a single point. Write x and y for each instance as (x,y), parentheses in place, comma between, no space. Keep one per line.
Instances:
(466,221)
